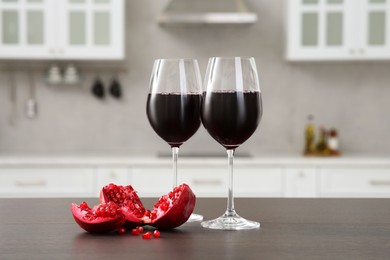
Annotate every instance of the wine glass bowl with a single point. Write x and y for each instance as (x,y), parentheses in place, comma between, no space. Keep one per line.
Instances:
(231,112)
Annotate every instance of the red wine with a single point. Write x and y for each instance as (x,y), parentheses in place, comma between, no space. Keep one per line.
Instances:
(175,117)
(231,117)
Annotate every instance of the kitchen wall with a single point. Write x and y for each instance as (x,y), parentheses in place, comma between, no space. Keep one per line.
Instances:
(351,96)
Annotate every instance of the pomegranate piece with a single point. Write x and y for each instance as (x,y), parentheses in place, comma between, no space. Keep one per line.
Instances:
(121,230)
(135,232)
(101,218)
(172,210)
(156,234)
(147,235)
(140,229)
(127,199)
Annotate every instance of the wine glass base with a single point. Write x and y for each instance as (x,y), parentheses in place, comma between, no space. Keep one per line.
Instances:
(195,218)
(230,221)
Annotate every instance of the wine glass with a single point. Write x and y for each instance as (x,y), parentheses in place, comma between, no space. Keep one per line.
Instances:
(173,105)
(231,112)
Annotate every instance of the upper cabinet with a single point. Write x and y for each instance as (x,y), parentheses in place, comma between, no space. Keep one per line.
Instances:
(338,29)
(62,29)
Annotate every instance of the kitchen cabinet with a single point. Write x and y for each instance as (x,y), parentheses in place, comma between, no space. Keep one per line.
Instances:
(46,182)
(248,181)
(301,182)
(152,177)
(342,181)
(211,181)
(338,30)
(106,175)
(151,181)
(62,29)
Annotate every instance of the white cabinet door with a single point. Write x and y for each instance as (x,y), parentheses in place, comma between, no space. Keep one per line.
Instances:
(151,181)
(90,29)
(25,30)
(209,181)
(301,182)
(62,29)
(338,29)
(205,181)
(105,176)
(374,39)
(257,181)
(321,29)
(364,181)
(46,182)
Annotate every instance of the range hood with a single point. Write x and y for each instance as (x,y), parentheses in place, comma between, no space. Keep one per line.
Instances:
(207,12)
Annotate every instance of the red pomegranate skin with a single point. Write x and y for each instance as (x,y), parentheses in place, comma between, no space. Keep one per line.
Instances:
(99,224)
(179,212)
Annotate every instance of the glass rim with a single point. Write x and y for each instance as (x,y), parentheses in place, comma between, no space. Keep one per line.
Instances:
(176,59)
(232,57)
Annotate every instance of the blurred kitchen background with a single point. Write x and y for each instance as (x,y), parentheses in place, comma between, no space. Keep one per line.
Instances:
(350,96)
(67,130)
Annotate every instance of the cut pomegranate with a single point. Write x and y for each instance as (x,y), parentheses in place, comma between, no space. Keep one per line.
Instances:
(101,218)
(172,210)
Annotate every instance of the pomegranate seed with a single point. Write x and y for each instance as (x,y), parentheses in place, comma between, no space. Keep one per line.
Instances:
(140,229)
(147,235)
(84,206)
(156,234)
(134,232)
(147,213)
(121,230)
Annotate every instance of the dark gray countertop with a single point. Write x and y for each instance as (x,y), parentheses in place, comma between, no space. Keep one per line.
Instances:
(290,229)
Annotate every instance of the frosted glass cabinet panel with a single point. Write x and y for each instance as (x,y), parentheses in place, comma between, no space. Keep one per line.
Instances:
(93,29)
(24,28)
(375,35)
(338,29)
(62,29)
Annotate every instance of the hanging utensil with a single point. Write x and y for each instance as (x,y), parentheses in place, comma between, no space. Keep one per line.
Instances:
(98,88)
(31,104)
(13,98)
(115,88)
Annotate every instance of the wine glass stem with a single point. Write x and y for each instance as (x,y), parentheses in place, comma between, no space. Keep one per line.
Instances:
(175,154)
(230,201)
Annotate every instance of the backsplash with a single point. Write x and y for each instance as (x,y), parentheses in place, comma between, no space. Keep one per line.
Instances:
(350,96)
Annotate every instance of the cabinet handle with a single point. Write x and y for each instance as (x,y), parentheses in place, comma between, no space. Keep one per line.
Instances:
(352,51)
(380,182)
(361,51)
(30,182)
(207,182)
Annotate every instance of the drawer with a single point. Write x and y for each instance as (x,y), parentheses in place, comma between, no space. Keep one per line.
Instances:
(46,182)
(301,182)
(258,181)
(355,182)
(106,176)
(151,181)
(205,182)
(248,182)
(209,181)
